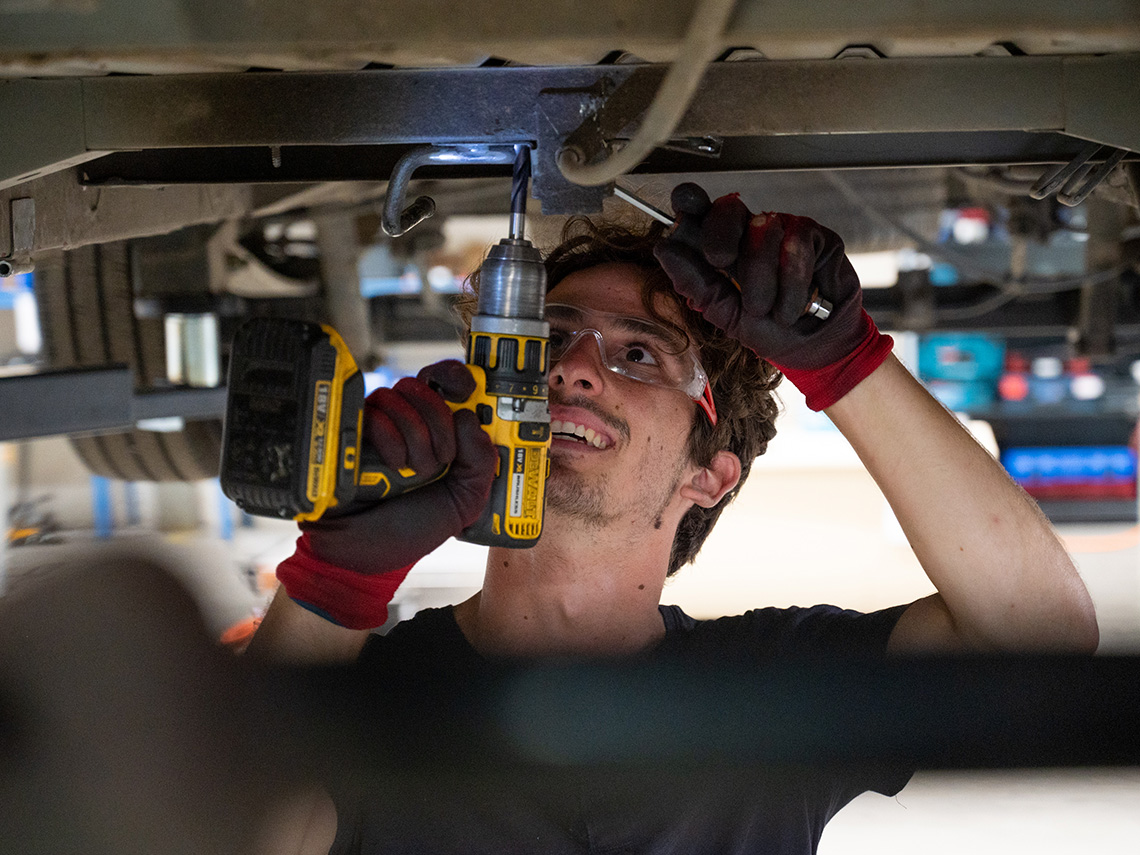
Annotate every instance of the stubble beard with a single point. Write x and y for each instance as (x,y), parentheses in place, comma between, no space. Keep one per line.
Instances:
(572,495)
(586,501)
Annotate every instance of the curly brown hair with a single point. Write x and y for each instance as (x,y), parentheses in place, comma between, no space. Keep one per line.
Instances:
(742,384)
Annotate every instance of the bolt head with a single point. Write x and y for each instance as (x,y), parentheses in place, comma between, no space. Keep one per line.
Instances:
(570,156)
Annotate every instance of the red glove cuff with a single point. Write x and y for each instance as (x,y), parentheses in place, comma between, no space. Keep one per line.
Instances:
(824,386)
(348,599)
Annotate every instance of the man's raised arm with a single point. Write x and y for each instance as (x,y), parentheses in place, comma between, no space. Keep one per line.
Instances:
(1004,581)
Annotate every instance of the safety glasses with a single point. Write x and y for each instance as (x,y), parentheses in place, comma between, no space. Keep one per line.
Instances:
(634,347)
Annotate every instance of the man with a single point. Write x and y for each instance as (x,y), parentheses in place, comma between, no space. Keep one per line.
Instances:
(659,403)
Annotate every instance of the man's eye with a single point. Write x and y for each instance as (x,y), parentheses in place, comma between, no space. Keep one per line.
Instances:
(640,354)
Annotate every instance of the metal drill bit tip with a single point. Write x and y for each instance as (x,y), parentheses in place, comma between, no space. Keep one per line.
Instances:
(644,206)
(519,183)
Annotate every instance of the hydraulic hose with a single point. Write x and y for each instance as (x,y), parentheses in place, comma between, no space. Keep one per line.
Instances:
(702,43)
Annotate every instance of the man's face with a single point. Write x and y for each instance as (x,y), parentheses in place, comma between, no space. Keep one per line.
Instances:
(632,457)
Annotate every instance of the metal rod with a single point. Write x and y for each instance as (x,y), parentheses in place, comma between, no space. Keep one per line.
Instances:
(818,307)
(644,206)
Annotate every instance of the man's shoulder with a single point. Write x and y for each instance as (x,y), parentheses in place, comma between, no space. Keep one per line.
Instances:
(770,633)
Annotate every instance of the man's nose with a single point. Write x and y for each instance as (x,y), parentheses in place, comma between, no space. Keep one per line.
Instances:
(580,365)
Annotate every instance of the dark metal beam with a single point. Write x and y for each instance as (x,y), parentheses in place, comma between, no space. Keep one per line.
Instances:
(980,307)
(69,214)
(497,105)
(182,402)
(160,167)
(801,114)
(98,400)
(857,101)
(492,105)
(863,151)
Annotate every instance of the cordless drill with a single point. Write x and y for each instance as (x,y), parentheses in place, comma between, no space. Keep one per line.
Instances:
(293,441)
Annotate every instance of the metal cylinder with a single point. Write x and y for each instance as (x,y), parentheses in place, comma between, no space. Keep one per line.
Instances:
(512,281)
(192,352)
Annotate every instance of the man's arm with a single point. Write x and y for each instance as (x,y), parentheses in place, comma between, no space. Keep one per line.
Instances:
(1004,580)
(304,824)
(290,633)
(346,569)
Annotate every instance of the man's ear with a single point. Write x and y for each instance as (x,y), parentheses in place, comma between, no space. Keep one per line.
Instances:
(710,483)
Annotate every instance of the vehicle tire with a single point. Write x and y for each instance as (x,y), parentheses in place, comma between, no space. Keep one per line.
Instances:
(87,317)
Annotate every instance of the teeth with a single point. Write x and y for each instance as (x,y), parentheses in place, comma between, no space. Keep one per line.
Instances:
(591,436)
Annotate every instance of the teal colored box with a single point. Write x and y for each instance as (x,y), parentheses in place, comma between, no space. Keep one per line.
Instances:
(961,357)
(963,396)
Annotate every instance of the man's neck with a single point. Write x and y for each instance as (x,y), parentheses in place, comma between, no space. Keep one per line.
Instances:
(581,590)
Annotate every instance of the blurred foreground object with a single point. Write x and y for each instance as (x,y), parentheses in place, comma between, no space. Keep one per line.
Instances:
(122,728)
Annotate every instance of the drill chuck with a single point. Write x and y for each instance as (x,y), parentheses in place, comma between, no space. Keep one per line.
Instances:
(512,281)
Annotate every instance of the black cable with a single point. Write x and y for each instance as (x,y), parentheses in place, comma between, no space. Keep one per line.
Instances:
(977,310)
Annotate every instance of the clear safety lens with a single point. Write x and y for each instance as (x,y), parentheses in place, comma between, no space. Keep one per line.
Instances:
(638,348)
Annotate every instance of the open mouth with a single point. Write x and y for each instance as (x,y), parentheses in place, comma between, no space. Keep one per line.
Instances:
(578,433)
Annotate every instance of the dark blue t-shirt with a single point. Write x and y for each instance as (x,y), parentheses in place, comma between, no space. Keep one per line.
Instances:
(565,810)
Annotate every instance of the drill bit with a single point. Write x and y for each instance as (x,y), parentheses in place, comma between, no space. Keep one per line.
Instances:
(519,184)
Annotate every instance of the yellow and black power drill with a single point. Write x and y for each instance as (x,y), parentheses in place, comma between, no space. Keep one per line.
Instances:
(292,444)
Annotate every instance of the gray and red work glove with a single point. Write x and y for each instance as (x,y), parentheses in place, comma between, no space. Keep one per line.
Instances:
(780,262)
(347,568)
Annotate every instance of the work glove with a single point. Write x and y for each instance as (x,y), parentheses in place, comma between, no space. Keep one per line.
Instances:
(754,275)
(347,568)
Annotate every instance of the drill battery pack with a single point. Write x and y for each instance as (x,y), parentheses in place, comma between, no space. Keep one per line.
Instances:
(293,418)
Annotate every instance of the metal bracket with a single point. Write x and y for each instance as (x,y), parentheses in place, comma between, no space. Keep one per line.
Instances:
(581,125)
(567,128)
(22,225)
